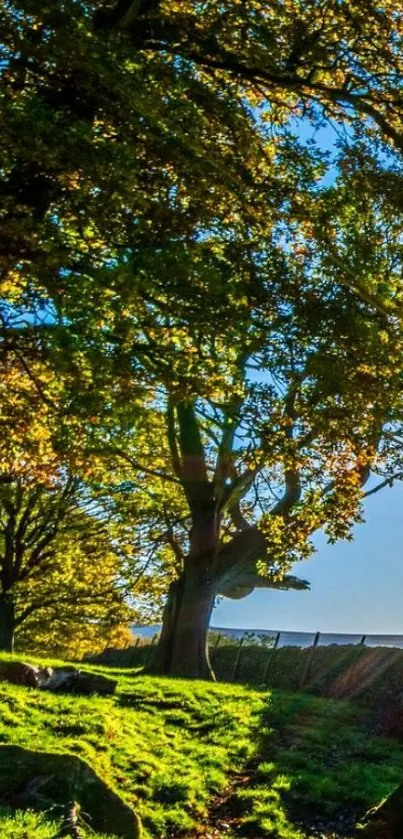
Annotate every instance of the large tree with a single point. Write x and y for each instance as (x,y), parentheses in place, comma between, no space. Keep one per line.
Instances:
(306,403)
(194,273)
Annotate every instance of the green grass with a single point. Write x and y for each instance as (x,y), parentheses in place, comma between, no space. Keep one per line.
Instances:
(30,825)
(165,746)
(169,746)
(316,758)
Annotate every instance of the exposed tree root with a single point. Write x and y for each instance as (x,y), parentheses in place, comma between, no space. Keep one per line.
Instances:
(70,826)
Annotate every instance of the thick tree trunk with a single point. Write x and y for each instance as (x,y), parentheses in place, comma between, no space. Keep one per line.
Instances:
(182,649)
(7,624)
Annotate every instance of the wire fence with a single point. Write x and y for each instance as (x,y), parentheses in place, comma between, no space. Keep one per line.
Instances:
(339,666)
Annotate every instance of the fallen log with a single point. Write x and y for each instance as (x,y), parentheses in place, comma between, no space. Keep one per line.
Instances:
(65,679)
(36,779)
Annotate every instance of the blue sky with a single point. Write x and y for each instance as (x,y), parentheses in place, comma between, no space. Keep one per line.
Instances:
(356,586)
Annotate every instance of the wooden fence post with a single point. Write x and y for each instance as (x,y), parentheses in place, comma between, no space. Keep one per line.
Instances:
(213,649)
(109,656)
(112,657)
(150,654)
(270,658)
(133,656)
(305,674)
(237,660)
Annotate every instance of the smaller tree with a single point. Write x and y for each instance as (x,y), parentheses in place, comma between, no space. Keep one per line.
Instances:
(61,568)
(79,606)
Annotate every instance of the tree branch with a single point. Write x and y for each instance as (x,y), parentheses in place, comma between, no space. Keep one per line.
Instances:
(173,446)
(247,547)
(124,14)
(245,583)
(293,488)
(114,451)
(386,483)
(194,468)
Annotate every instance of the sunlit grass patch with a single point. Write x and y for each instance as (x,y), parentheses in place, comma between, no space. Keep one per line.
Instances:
(169,747)
(165,746)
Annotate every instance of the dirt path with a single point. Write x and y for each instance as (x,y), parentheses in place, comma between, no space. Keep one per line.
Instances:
(224,822)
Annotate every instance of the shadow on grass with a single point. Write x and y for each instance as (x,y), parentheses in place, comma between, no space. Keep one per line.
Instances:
(297,766)
(316,771)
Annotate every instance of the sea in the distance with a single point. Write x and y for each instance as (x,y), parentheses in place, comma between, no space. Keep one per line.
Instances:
(291,639)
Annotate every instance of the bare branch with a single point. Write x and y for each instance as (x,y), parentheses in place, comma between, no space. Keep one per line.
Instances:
(387,483)
(246,582)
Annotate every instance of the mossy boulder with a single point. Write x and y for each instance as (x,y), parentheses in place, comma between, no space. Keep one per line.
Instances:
(34,779)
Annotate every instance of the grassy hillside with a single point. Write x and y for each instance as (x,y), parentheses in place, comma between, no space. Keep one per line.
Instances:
(196,759)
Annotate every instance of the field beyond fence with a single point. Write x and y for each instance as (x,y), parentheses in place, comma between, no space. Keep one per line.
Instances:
(368,674)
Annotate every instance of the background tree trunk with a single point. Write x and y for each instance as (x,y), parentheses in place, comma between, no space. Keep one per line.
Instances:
(7,623)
